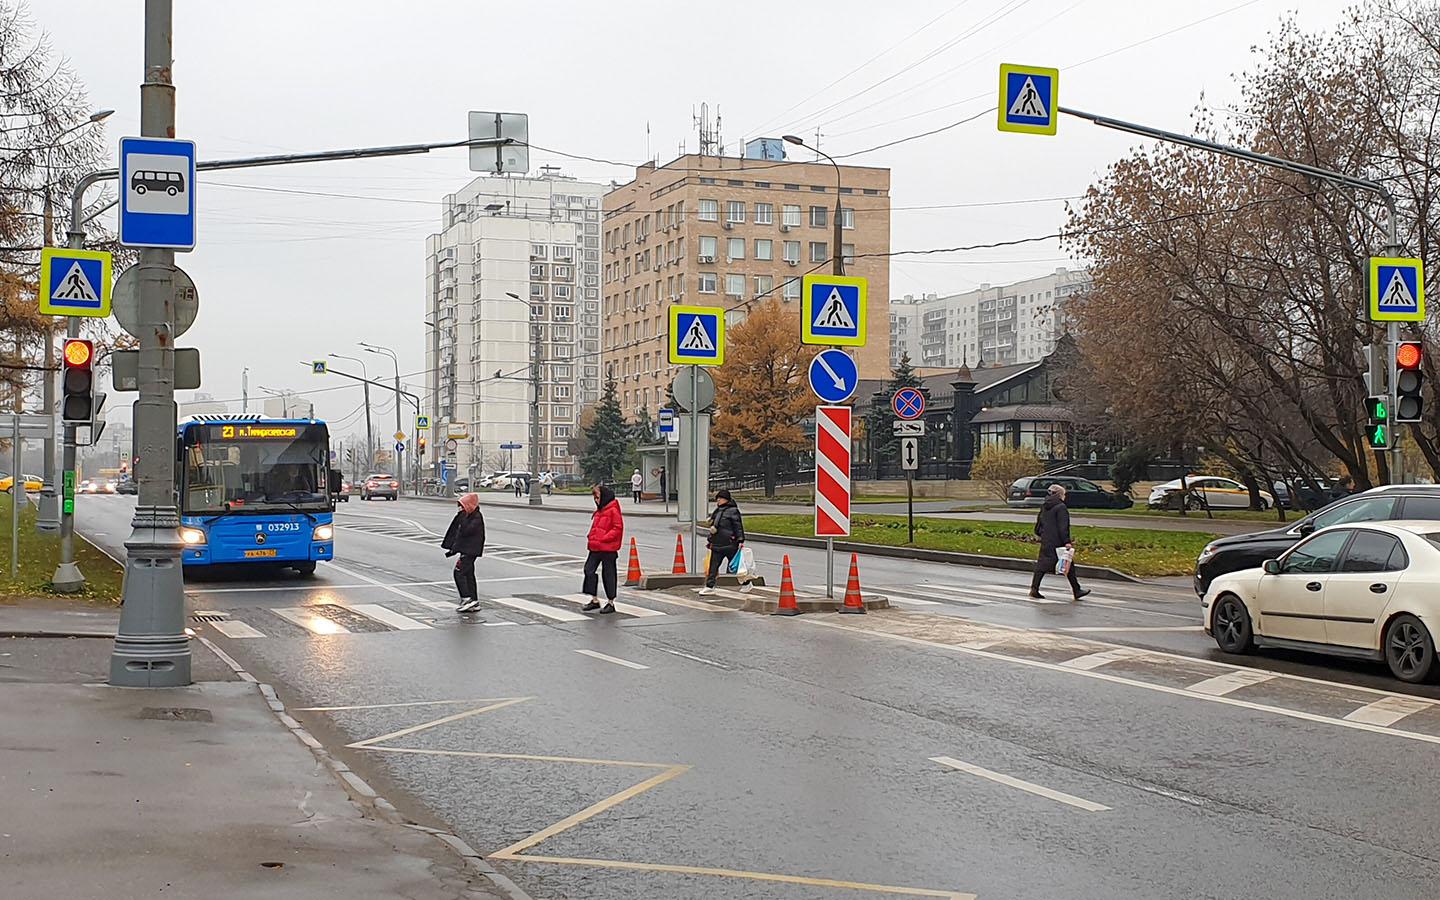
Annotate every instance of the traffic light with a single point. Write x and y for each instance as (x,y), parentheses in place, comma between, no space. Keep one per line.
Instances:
(422,446)
(1409,381)
(1377,430)
(77,406)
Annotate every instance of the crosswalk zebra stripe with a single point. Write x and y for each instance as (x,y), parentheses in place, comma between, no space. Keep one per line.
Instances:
(388,617)
(628,609)
(233,629)
(310,621)
(539,609)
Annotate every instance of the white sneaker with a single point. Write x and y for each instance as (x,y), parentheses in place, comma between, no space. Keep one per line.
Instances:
(747,587)
(705,591)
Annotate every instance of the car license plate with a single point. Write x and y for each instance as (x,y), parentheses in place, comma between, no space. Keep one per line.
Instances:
(255,554)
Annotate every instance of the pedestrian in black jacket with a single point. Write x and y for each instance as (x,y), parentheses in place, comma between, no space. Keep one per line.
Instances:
(466,538)
(1052,526)
(727,536)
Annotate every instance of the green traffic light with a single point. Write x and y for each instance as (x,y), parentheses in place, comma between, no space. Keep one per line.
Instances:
(1378,438)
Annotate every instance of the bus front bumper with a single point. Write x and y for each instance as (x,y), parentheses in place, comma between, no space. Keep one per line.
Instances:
(201,555)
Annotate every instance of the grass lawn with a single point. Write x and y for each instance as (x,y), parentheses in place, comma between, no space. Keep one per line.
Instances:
(1239,515)
(808,498)
(1137,551)
(40,553)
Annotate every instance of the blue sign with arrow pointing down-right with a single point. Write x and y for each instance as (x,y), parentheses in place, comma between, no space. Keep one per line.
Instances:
(833,376)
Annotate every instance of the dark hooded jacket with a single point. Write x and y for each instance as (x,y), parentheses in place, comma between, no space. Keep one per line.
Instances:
(729,526)
(607,526)
(1052,525)
(466,534)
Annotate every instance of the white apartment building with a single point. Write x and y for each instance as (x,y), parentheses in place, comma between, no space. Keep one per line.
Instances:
(537,239)
(994,325)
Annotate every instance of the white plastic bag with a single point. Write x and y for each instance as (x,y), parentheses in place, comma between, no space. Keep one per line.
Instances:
(1064,559)
(744,563)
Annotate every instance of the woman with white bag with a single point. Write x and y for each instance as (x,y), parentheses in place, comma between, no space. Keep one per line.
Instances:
(1052,526)
(727,539)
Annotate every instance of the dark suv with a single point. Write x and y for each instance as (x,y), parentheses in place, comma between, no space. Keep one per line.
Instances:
(1249,551)
(1080,493)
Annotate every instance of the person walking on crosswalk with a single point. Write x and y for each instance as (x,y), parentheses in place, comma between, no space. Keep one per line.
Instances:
(607,532)
(727,538)
(465,538)
(1052,527)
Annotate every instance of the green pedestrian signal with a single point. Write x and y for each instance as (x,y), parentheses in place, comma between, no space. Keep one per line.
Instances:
(1377,429)
(1379,437)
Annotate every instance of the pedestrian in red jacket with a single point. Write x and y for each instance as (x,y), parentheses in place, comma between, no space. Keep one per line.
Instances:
(607,531)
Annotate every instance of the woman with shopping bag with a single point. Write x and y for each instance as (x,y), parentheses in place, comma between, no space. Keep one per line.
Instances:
(727,538)
(1052,526)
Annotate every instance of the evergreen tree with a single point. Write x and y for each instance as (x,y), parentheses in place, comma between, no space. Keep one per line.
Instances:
(882,435)
(607,439)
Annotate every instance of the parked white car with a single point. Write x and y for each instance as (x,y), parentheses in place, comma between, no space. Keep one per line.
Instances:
(1369,590)
(1218,493)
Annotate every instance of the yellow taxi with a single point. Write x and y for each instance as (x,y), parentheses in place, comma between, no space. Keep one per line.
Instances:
(33,483)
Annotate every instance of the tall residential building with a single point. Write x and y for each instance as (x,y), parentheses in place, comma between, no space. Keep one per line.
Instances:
(538,240)
(723,231)
(905,327)
(994,325)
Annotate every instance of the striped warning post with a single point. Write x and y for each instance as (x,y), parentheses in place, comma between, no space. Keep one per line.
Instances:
(832,471)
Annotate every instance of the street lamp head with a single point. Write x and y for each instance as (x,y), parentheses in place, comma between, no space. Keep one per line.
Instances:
(512,295)
(100,115)
(793,139)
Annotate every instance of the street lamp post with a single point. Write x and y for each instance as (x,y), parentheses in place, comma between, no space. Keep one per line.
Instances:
(369,429)
(399,456)
(838,267)
(284,397)
(536,358)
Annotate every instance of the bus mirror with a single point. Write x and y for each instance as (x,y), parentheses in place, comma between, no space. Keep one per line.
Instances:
(337,481)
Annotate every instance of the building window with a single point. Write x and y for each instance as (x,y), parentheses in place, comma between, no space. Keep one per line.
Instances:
(537,291)
(561,432)
(764,249)
(560,391)
(709,211)
(792,251)
(706,283)
(735,211)
(560,412)
(819,252)
(790,216)
(819,216)
(764,284)
(847,217)
(564,252)
(561,273)
(537,270)
(560,291)
(735,285)
(792,187)
(537,251)
(537,310)
(705,180)
(735,248)
(709,248)
(625,235)
(791,290)
(561,313)
(565,372)
(764,214)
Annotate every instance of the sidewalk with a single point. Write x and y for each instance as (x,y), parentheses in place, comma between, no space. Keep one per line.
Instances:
(1195,522)
(196,792)
(581,503)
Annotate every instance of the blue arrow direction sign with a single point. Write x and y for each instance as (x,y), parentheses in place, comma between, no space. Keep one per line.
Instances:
(157,193)
(833,376)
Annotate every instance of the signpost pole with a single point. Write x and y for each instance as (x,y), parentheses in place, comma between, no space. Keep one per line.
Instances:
(17,496)
(696,494)
(910,503)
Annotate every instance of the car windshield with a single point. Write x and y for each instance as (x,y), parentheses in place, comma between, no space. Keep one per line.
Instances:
(256,466)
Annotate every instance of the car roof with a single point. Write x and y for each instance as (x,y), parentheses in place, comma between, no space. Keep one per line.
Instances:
(1396,488)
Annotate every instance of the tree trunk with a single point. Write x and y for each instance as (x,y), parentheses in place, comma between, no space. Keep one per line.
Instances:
(769,473)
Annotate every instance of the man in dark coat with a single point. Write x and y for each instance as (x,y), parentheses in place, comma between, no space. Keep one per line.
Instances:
(1052,526)
(727,538)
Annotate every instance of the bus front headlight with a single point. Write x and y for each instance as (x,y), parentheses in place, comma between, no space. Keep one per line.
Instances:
(192,535)
(323,533)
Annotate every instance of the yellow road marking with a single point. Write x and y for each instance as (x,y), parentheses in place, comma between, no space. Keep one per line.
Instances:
(399,705)
(360,745)
(591,811)
(478,754)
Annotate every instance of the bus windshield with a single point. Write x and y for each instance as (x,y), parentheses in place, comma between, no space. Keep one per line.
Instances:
(258,466)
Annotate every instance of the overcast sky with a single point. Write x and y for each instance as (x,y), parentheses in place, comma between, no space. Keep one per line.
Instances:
(294,263)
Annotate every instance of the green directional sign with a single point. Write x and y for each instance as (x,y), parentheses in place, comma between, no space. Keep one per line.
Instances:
(1377,408)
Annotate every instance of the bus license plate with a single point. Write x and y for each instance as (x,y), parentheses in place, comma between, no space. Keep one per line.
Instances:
(256,554)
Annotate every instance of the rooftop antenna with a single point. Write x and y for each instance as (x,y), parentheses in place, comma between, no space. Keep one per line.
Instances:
(706,133)
(818,135)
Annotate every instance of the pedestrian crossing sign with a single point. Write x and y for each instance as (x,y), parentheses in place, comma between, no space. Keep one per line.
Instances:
(1397,290)
(832,310)
(74,282)
(1029,99)
(697,335)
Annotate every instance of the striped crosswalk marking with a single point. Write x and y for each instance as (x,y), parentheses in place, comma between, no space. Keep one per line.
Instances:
(960,594)
(627,608)
(234,629)
(539,609)
(388,617)
(1230,682)
(1389,710)
(310,621)
(1096,660)
(911,601)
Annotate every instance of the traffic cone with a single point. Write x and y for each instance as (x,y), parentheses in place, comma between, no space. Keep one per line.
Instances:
(787,592)
(633,574)
(678,568)
(853,602)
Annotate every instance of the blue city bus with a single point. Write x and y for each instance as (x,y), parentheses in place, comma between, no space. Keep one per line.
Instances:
(255,490)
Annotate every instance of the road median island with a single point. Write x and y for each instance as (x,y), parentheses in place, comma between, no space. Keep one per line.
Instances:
(1119,554)
(40,554)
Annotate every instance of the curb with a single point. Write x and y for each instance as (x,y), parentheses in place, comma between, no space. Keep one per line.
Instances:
(544,508)
(43,633)
(1101,573)
(360,792)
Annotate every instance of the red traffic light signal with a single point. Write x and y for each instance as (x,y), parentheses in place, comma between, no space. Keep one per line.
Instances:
(78,353)
(1409,381)
(1407,355)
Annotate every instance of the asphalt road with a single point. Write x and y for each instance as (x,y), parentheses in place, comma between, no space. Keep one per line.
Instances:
(969,742)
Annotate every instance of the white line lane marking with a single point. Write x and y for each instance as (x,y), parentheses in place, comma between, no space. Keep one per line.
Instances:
(699,659)
(311,622)
(388,617)
(309,586)
(911,601)
(1026,786)
(378,583)
(233,629)
(1230,682)
(639,612)
(958,595)
(595,654)
(1104,657)
(396,705)
(539,609)
(658,597)
(1389,711)
(1099,629)
(526,524)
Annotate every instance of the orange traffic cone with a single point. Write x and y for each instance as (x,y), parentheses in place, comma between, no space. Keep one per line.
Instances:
(678,568)
(787,592)
(853,603)
(633,574)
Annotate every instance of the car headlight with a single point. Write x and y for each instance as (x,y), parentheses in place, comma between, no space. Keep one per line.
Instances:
(1207,553)
(323,533)
(192,535)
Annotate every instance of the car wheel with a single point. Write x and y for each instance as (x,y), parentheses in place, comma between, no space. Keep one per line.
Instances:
(1231,625)
(1409,650)
(1194,503)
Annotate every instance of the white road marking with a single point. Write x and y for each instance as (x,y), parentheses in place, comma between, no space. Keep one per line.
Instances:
(1230,682)
(687,603)
(911,601)
(388,617)
(526,524)
(378,583)
(1389,711)
(308,586)
(394,705)
(234,629)
(539,609)
(311,622)
(1026,786)
(629,609)
(1098,629)
(1096,660)
(958,594)
(699,659)
(441,605)
(595,654)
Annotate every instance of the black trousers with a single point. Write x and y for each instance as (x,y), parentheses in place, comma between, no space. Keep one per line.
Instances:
(635,495)
(1045,565)
(465,578)
(718,556)
(604,561)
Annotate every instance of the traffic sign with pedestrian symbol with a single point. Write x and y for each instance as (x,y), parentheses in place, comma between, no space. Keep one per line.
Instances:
(1029,99)
(317,367)
(697,335)
(157,193)
(832,310)
(422,423)
(908,403)
(833,376)
(1397,290)
(74,282)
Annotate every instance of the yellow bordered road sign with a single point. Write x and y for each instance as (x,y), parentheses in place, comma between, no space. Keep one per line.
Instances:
(1029,99)
(1397,289)
(697,335)
(74,282)
(832,310)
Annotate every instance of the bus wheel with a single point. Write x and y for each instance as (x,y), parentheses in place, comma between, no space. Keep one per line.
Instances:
(306,568)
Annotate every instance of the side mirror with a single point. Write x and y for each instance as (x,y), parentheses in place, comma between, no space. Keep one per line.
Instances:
(1306,528)
(1271,567)
(337,480)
